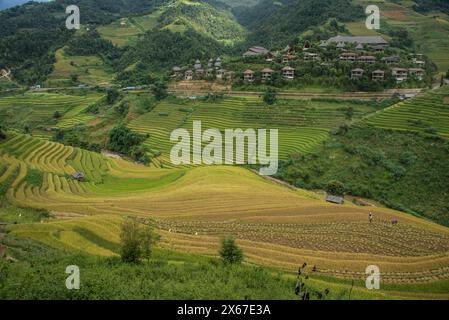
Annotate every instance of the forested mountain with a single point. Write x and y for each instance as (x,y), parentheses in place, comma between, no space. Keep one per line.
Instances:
(426,6)
(278,22)
(30,34)
(4,4)
(179,31)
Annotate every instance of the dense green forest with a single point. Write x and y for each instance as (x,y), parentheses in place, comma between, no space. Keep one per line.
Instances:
(426,6)
(275,23)
(405,171)
(30,34)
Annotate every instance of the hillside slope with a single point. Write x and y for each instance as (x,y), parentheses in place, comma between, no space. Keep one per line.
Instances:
(282,231)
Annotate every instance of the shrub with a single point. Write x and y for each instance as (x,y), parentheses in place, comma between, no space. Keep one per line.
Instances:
(269,96)
(230,252)
(159,90)
(335,188)
(136,241)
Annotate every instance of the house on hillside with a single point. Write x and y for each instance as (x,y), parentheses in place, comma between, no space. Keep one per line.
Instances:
(287,58)
(392,59)
(188,75)
(400,74)
(378,48)
(220,74)
(367,59)
(199,72)
(217,63)
(419,63)
(177,72)
(335,199)
(341,45)
(255,52)
(378,75)
(248,76)
(270,56)
(323,44)
(348,57)
(309,56)
(266,74)
(78,176)
(360,47)
(357,73)
(197,65)
(417,73)
(288,73)
(372,41)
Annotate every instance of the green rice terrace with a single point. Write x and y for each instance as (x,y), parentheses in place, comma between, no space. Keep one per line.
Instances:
(302,124)
(428,113)
(39,109)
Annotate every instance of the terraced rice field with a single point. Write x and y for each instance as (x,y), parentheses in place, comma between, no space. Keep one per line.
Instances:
(302,125)
(126,31)
(427,113)
(193,208)
(90,70)
(38,108)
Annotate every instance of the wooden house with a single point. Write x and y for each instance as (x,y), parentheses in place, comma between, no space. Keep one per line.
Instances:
(288,73)
(378,75)
(266,74)
(248,76)
(400,74)
(357,73)
(348,57)
(367,59)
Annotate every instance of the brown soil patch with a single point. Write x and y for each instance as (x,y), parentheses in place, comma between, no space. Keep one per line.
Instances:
(395,15)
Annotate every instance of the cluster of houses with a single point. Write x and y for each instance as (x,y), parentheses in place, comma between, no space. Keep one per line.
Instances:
(350,49)
(214,69)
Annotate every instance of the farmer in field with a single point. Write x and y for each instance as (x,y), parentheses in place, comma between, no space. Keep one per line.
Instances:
(370,217)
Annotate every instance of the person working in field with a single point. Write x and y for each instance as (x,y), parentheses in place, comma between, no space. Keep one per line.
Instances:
(370,217)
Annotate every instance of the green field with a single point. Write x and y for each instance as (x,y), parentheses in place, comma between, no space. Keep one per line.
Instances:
(302,125)
(428,113)
(91,70)
(126,31)
(37,110)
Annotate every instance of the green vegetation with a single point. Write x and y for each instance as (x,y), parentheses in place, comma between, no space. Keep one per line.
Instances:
(269,96)
(136,241)
(427,113)
(230,253)
(302,124)
(280,22)
(37,110)
(405,171)
(39,274)
(335,188)
(124,141)
(31,33)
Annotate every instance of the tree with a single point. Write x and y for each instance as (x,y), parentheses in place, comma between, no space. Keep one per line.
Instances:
(122,139)
(112,95)
(349,113)
(147,240)
(230,252)
(2,133)
(56,115)
(159,90)
(74,78)
(136,241)
(269,96)
(335,188)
